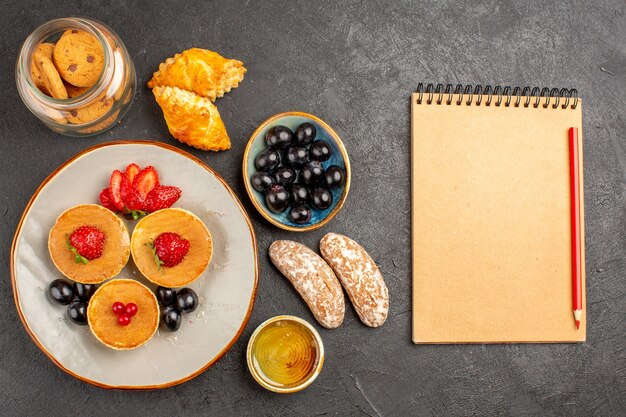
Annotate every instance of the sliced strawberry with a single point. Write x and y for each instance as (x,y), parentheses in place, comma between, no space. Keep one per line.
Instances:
(131,172)
(115,185)
(125,189)
(145,181)
(135,201)
(162,197)
(107,200)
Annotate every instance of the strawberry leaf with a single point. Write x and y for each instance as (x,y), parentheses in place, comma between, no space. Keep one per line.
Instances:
(137,214)
(134,214)
(154,254)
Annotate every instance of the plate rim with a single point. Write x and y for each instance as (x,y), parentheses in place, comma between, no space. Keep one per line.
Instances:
(344,154)
(20,225)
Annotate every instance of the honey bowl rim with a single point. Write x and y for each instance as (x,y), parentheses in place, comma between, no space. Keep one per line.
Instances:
(269,384)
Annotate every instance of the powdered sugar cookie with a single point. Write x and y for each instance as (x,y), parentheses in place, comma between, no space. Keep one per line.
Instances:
(312,278)
(359,275)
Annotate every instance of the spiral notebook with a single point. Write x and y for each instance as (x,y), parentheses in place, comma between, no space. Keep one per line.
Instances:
(491,228)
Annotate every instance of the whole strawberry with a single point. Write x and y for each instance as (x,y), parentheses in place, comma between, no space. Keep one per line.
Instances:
(86,243)
(169,249)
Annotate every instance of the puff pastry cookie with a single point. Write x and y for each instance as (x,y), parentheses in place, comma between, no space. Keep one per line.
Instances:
(192,119)
(204,72)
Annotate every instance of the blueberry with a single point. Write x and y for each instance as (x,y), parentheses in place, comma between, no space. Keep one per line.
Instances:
(321,198)
(299,194)
(278,137)
(61,291)
(77,312)
(312,172)
(300,214)
(171,318)
(166,296)
(285,176)
(297,156)
(277,199)
(320,151)
(334,176)
(305,134)
(84,291)
(267,160)
(186,300)
(261,181)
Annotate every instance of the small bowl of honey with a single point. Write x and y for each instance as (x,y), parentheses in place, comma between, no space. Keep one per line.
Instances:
(285,354)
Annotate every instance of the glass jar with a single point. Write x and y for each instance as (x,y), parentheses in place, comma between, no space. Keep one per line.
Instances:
(93,109)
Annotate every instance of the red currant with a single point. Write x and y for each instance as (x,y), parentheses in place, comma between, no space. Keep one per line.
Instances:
(123,320)
(131,309)
(118,308)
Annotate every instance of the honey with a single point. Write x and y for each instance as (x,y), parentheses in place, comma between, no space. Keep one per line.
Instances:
(285,353)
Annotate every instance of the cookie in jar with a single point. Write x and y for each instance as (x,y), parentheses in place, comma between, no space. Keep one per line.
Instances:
(76,76)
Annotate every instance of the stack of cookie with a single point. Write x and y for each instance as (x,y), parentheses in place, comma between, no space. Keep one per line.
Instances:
(69,68)
(186,85)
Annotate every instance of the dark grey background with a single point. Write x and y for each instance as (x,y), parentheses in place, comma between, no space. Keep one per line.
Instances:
(354,64)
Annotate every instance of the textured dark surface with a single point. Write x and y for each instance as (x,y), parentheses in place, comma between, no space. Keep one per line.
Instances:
(353,64)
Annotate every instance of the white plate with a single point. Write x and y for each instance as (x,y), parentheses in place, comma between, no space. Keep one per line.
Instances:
(226,289)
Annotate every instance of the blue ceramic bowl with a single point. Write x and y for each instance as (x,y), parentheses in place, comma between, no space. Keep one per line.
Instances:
(339,157)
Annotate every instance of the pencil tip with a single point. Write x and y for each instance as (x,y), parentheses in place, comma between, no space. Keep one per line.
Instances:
(577,324)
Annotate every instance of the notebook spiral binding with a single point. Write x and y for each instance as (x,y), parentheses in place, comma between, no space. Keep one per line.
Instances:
(475,94)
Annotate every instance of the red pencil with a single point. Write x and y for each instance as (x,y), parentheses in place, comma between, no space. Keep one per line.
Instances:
(577,296)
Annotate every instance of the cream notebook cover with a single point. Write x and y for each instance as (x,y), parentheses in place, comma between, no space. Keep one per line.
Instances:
(491,213)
